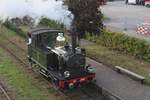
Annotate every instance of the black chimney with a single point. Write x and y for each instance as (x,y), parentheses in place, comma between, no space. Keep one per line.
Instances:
(74,41)
(74,37)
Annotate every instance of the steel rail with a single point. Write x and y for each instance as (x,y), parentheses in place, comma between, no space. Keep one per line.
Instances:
(4,92)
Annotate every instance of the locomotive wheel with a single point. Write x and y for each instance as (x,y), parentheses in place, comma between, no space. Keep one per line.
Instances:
(34,65)
(71,86)
(31,63)
(55,82)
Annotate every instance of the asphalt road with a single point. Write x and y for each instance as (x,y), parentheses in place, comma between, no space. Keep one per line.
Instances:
(118,84)
(122,17)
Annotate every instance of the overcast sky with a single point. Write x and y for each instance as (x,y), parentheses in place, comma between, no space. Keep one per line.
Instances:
(35,8)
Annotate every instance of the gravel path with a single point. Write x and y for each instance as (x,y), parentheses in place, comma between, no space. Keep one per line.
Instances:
(118,84)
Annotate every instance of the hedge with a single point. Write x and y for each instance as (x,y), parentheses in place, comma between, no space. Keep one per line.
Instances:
(43,22)
(14,28)
(51,23)
(125,44)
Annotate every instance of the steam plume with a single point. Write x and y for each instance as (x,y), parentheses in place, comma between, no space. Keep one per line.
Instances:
(35,8)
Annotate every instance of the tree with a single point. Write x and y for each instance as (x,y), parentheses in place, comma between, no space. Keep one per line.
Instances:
(87,15)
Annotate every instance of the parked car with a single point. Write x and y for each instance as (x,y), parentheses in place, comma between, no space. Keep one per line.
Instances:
(136,2)
(147,3)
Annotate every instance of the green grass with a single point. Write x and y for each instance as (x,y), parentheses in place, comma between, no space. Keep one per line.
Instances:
(25,86)
(25,28)
(113,58)
(4,30)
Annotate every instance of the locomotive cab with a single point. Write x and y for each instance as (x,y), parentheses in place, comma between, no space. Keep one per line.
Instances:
(38,50)
(65,64)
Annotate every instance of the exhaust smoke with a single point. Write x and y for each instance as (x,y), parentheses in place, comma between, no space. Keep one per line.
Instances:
(51,9)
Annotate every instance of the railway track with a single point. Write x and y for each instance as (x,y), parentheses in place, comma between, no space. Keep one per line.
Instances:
(82,93)
(3,93)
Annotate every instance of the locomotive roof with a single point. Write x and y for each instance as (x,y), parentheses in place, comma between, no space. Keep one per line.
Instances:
(42,30)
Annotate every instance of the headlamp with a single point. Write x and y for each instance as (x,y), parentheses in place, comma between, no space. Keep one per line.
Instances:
(66,74)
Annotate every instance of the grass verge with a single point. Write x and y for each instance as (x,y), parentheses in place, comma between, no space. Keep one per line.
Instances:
(113,58)
(22,82)
(25,29)
(17,77)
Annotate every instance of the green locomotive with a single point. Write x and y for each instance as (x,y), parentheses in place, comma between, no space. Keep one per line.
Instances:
(64,64)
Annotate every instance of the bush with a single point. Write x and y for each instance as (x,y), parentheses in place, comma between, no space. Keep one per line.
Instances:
(51,23)
(14,28)
(43,22)
(122,43)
